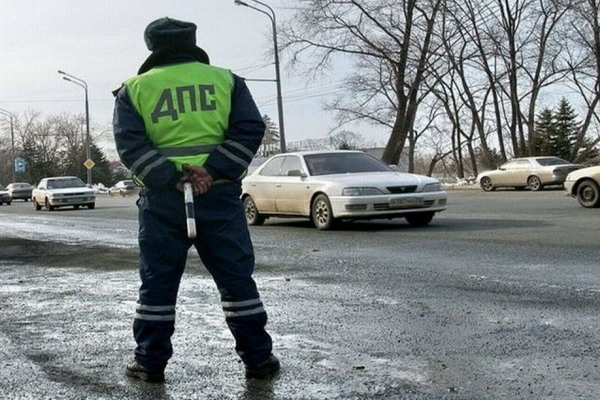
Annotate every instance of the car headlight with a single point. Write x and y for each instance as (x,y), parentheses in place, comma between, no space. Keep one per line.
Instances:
(433,187)
(361,191)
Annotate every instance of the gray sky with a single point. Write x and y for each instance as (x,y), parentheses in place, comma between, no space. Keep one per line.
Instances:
(102,43)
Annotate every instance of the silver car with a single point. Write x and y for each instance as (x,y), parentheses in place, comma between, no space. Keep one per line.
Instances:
(20,190)
(329,186)
(531,172)
(584,185)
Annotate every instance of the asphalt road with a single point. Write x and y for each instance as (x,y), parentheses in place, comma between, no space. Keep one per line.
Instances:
(496,299)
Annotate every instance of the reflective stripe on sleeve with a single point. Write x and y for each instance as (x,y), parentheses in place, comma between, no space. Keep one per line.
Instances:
(233,157)
(149,168)
(240,147)
(142,159)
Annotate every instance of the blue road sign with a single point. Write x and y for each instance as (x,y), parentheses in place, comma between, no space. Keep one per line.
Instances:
(19,164)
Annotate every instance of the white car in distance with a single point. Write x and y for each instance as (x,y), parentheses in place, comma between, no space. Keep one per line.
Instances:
(62,191)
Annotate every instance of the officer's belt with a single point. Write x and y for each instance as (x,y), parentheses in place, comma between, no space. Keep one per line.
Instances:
(186,151)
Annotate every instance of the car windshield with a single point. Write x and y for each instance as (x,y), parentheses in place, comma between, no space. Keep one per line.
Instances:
(552,161)
(21,185)
(343,163)
(65,183)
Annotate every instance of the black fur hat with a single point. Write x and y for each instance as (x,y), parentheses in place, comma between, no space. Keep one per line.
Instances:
(170,36)
(169,33)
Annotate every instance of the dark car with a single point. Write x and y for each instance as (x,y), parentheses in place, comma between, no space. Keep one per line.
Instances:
(4,196)
(20,190)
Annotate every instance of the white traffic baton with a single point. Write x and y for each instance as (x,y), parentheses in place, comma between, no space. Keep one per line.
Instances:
(189,210)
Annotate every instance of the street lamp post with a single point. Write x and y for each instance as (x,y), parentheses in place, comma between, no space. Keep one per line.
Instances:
(271,15)
(88,152)
(12,141)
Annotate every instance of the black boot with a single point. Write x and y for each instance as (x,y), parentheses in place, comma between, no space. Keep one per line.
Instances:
(135,370)
(265,369)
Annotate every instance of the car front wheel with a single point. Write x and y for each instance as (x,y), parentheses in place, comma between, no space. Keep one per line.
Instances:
(322,214)
(588,194)
(486,184)
(534,183)
(36,205)
(253,217)
(419,219)
(48,206)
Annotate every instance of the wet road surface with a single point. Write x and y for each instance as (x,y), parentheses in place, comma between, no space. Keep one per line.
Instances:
(350,317)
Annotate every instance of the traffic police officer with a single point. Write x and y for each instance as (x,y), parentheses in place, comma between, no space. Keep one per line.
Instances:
(181,119)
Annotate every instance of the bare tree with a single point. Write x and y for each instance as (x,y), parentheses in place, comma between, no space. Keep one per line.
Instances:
(524,37)
(347,140)
(70,135)
(427,126)
(473,18)
(41,150)
(463,90)
(52,146)
(270,143)
(584,62)
(391,43)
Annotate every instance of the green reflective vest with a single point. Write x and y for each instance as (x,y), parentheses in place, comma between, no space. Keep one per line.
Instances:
(185,108)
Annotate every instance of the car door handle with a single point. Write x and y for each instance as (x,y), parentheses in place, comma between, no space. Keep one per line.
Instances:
(278,186)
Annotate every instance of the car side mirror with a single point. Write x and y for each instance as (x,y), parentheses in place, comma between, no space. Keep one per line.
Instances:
(296,172)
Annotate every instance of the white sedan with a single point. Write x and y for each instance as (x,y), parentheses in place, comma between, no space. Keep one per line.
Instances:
(531,172)
(584,184)
(62,191)
(329,186)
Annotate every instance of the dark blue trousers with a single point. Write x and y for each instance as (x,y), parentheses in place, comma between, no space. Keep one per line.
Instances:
(224,246)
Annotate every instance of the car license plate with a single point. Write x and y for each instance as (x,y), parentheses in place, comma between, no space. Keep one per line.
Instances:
(406,202)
